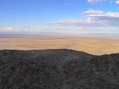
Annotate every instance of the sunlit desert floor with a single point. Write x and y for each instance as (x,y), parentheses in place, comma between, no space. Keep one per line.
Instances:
(92,45)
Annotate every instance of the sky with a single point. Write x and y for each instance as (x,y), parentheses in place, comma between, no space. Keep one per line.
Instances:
(74,17)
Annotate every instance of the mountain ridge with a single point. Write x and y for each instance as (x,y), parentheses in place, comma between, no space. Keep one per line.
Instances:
(57,69)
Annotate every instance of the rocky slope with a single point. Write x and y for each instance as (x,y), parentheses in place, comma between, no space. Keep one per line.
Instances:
(57,69)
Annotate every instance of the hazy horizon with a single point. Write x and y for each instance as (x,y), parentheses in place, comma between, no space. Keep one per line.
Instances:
(72,17)
(85,25)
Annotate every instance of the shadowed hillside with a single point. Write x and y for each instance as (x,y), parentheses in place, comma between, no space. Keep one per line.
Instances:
(57,69)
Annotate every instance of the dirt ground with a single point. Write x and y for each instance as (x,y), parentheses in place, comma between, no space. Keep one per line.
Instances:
(93,45)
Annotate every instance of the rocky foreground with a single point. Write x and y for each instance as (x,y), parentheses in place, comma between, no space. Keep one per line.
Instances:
(58,69)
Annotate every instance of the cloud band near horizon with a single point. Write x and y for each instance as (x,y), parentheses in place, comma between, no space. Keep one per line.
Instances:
(92,18)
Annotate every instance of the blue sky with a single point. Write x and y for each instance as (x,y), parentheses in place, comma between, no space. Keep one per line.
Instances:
(60,16)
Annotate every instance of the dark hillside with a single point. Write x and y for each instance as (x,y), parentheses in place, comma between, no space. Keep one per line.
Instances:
(57,69)
(101,72)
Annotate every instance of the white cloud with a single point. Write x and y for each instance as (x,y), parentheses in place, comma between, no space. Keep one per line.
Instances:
(23,29)
(95,1)
(100,1)
(117,2)
(86,22)
(100,13)
(93,18)
(43,29)
(93,12)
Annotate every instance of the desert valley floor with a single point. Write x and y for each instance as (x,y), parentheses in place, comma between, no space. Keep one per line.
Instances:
(92,45)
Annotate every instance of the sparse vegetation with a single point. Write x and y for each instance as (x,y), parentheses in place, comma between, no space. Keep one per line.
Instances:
(57,69)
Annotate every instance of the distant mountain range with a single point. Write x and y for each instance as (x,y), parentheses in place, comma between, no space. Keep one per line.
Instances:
(15,35)
(58,69)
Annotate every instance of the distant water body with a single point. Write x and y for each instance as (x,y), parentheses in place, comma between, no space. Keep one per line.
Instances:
(106,35)
(85,35)
(14,35)
(8,35)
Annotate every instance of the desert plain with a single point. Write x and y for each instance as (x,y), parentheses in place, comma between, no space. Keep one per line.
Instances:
(92,45)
